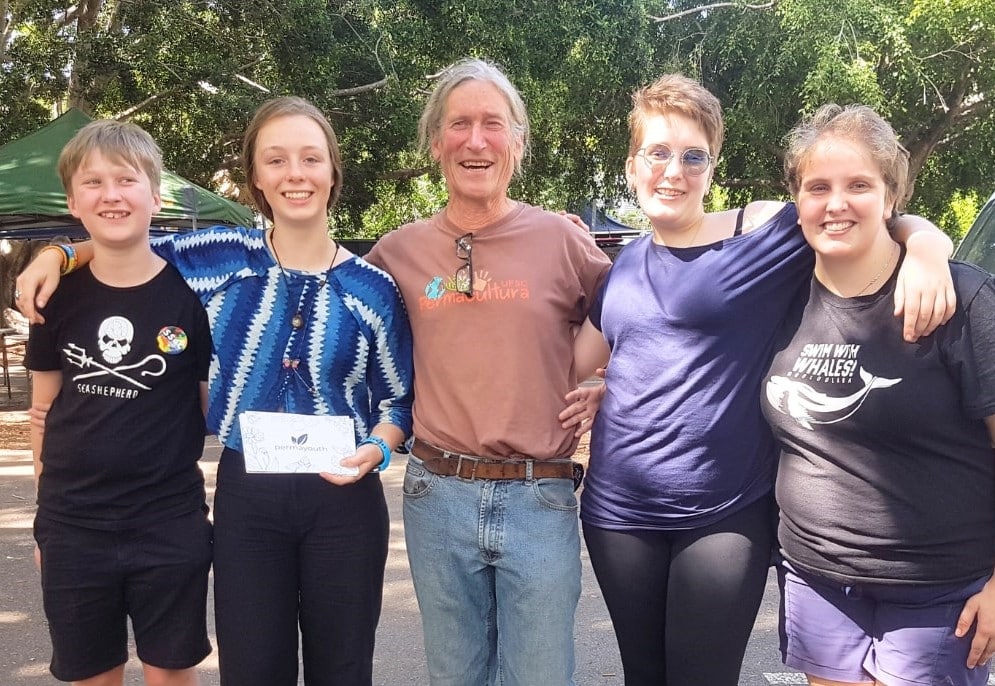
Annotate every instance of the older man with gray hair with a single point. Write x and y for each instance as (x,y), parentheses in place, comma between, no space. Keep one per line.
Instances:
(495,290)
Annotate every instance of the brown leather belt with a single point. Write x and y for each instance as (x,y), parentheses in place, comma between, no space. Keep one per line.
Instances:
(472,467)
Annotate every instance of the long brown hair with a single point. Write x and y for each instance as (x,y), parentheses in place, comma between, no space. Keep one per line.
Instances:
(287,107)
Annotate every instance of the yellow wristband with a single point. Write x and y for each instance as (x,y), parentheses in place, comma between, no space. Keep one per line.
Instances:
(62,255)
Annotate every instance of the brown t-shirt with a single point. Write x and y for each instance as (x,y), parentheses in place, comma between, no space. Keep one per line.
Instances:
(491,371)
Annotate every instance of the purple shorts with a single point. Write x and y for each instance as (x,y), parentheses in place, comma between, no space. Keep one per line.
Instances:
(901,635)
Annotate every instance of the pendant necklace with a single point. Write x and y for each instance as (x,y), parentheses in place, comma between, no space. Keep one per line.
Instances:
(880,272)
(300,319)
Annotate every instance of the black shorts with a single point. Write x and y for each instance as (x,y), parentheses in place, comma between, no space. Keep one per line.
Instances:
(94,580)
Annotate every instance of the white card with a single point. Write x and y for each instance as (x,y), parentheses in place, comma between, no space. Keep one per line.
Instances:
(284,443)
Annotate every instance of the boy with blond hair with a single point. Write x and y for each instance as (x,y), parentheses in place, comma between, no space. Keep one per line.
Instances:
(122,360)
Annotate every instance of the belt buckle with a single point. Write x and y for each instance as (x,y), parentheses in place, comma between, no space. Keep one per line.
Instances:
(459,466)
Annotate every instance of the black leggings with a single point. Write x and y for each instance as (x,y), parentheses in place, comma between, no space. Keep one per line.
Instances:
(683,603)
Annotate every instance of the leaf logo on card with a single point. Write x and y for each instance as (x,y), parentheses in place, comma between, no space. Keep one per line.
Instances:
(299,440)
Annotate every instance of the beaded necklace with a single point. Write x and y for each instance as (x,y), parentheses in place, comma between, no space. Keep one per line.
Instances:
(301,318)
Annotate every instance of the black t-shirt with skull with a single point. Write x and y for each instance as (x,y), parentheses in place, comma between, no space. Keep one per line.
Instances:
(124,434)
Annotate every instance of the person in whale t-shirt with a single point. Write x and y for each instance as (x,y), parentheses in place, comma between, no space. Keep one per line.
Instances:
(886,483)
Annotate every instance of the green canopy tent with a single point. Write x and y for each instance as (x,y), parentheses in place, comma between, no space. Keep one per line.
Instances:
(33,202)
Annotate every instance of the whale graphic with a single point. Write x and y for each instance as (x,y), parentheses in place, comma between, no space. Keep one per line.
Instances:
(803,403)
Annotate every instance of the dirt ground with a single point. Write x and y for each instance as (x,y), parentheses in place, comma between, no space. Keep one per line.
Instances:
(14,433)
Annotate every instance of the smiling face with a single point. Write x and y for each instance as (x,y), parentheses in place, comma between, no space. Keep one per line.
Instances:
(672,199)
(292,168)
(114,200)
(843,201)
(476,146)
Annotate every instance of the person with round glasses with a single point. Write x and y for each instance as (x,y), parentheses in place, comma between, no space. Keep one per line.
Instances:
(677,508)
(658,156)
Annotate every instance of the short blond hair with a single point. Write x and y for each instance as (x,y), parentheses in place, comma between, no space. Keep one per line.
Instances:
(857,123)
(677,94)
(119,141)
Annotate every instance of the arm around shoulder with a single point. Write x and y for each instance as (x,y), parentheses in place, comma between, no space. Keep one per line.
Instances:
(925,291)
(919,233)
(39,279)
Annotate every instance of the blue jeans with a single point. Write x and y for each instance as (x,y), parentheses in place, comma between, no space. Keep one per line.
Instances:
(496,569)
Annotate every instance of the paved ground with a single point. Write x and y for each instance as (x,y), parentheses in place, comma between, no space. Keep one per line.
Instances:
(24,648)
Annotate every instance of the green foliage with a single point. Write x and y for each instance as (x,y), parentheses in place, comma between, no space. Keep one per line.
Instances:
(960,214)
(631,216)
(925,65)
(398,205)
(192,72)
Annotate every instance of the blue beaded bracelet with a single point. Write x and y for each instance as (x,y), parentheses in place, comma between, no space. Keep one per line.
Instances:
(384,450)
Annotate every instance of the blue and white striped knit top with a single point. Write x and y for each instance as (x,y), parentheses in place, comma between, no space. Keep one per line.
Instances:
(354,350)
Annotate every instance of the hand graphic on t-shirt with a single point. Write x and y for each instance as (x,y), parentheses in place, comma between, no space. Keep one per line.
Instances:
(480,280)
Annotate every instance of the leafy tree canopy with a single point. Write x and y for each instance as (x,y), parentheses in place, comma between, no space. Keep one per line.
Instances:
(191,72)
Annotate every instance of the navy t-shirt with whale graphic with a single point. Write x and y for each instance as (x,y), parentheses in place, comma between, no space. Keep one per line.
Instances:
(887,472)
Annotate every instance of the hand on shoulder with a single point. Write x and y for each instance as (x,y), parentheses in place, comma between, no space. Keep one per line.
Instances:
(575,219)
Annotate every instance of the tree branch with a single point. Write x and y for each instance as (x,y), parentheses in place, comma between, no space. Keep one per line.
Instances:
(713,6)
(89,11)
(951,106)
(6,28)
(124,115)
(346,92)
(926,138)
(156,97)
(66,18)
(81,95)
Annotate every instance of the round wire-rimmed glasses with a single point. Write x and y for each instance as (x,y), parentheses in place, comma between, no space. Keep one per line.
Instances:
(694,161)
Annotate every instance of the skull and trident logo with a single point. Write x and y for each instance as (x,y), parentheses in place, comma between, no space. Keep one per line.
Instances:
(114,340)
